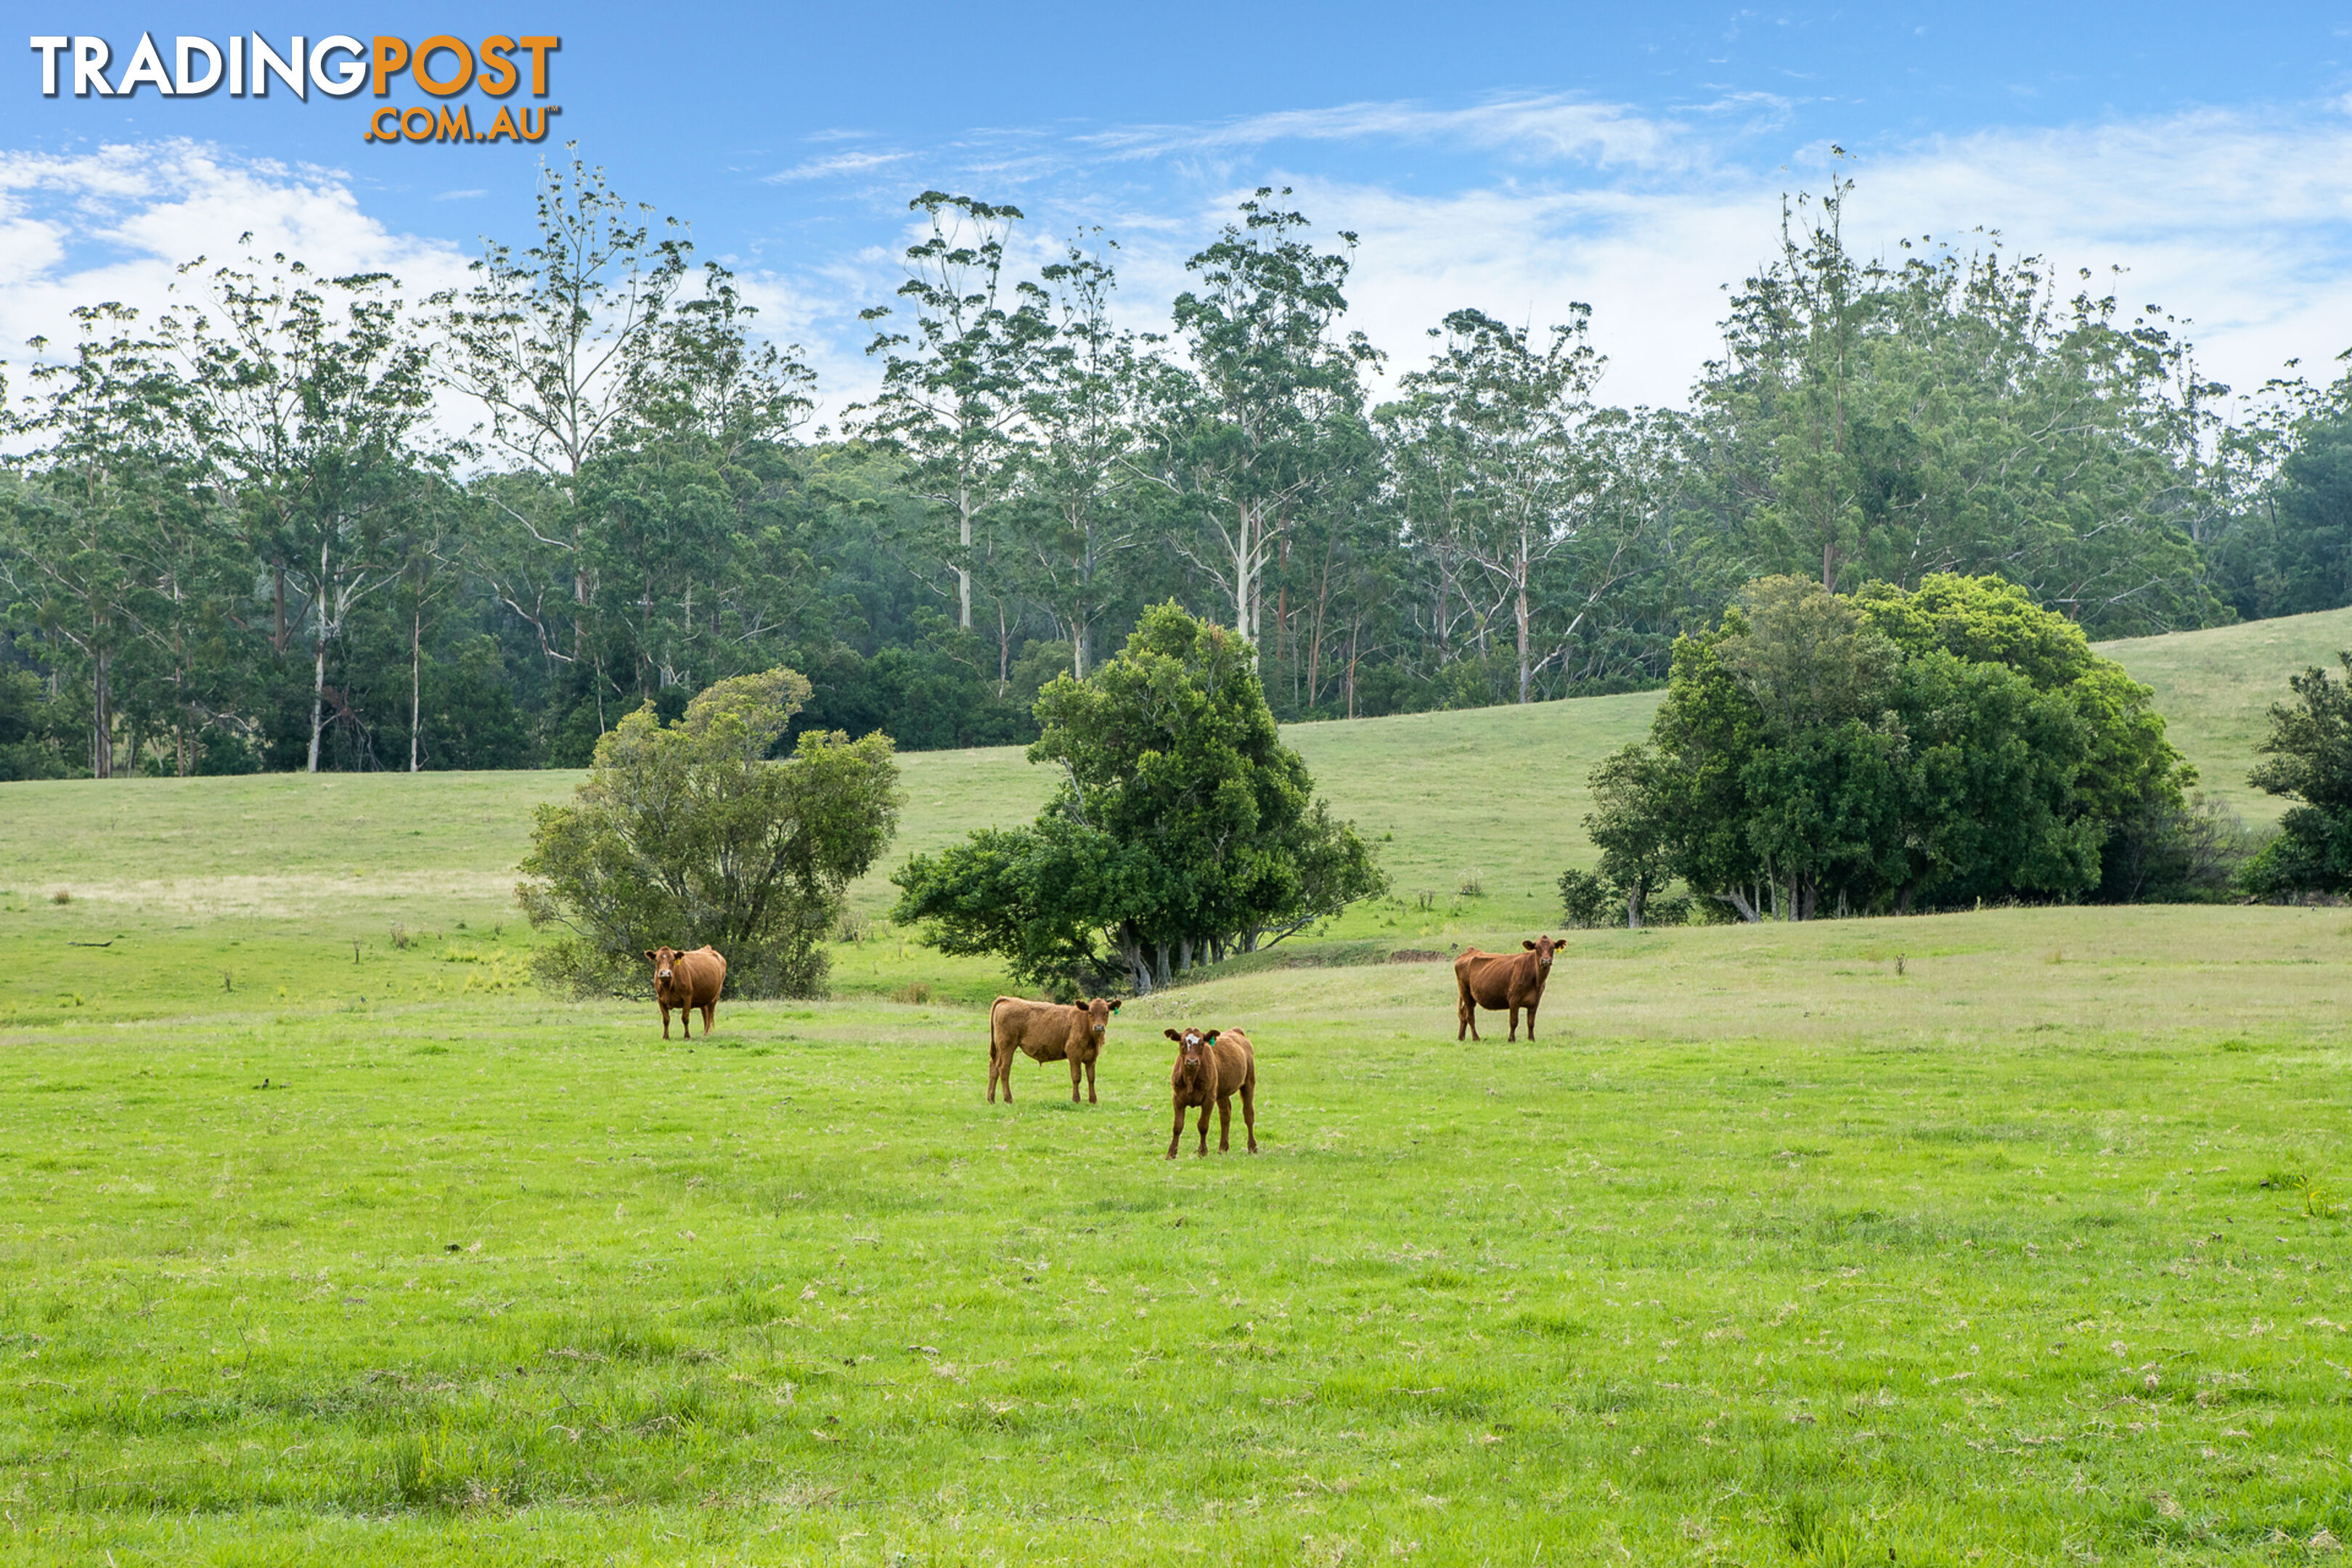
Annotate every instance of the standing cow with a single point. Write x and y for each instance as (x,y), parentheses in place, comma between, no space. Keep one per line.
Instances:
(1050,1032)
(686,981)
(1501,981)
(1210,1066)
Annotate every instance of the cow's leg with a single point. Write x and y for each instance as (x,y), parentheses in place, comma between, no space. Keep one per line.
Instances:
(1176,1135)
(1203,1150)
(709,1011)
(1465,1011)
(1225,1123)
(1076,1069)
(1249,1114)
(1515,1020)
(664,1008)
(1090,1084)
(1531,1021)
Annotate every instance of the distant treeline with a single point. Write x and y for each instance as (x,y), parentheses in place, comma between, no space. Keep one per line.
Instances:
(305,521)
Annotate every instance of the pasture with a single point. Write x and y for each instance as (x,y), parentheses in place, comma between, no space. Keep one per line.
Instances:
(2016,1236)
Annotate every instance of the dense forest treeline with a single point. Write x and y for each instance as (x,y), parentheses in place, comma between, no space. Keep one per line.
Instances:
(295,521)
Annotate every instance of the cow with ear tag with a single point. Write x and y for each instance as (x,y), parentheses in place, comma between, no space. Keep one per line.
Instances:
(1212,1065)
(1048,1032)
(1501,981)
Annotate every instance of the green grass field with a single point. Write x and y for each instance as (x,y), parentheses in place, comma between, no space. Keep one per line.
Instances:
(2016,1236)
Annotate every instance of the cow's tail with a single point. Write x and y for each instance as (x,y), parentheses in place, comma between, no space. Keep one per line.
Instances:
(994,1008)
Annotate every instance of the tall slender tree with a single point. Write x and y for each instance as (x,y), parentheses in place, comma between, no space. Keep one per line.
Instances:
(954,382)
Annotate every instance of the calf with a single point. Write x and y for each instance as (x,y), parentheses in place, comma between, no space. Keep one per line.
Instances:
(1210,1066)
(1049,1032)
(686,981)
(1500,981)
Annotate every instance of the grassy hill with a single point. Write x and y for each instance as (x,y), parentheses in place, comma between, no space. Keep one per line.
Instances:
(2215,687)
(1497,793)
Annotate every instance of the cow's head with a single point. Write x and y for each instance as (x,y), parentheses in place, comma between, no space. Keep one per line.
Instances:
(1098,1011)
(1195,1042)
(1543,947)
(665,961)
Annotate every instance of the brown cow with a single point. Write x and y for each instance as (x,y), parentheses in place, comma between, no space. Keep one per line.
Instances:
(686,981)
(1497,981)
(1210,1066)
(1050,1032)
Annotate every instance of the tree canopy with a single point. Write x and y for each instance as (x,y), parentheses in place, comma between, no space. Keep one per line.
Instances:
(685,833)
(1182,828)
(1889,750)
(303,522)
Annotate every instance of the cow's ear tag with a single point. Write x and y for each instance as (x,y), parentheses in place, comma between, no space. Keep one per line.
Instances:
(1212,1036)
(1114,1007)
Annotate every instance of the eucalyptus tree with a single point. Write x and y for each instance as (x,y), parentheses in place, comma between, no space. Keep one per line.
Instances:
(549,341)
(1077,409)
(112,550)
(1241,431)
(311,397)
(1518,478)
(687,498)
(955,383)
(1944,411)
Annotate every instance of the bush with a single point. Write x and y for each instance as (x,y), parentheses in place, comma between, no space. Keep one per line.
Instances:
(1585,900)
(684,834)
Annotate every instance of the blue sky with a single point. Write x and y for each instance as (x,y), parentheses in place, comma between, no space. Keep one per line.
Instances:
(1513,158)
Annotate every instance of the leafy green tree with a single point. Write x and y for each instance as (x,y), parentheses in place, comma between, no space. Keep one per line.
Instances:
(954,388)
(1514,412)
(1950,413)
(1815,752)
(1629,794)
(28,739)
(312,400)
(685,833)
(1243,432)
(2130,782)
(1183,827)
(114,552)
(552,344)
(1078,406)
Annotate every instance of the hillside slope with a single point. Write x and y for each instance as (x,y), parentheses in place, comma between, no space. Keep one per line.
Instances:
(1500,792)
(2215,690)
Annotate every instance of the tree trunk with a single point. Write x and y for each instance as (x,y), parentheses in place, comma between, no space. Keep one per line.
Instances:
(319,665)
(101,721)
(415,686)
(1139,967)
(1521,609)
(963,561)
(1633,900)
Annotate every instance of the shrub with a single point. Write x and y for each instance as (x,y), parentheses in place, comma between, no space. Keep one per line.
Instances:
(1585,900)
(684,834)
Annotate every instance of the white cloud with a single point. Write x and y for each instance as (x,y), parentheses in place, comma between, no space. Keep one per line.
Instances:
(2235,221)
(839,164)
(114,224)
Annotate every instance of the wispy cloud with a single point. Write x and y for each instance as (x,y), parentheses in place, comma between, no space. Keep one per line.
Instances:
(2239,221)
(116,223)
(1529,131)
(839,164)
